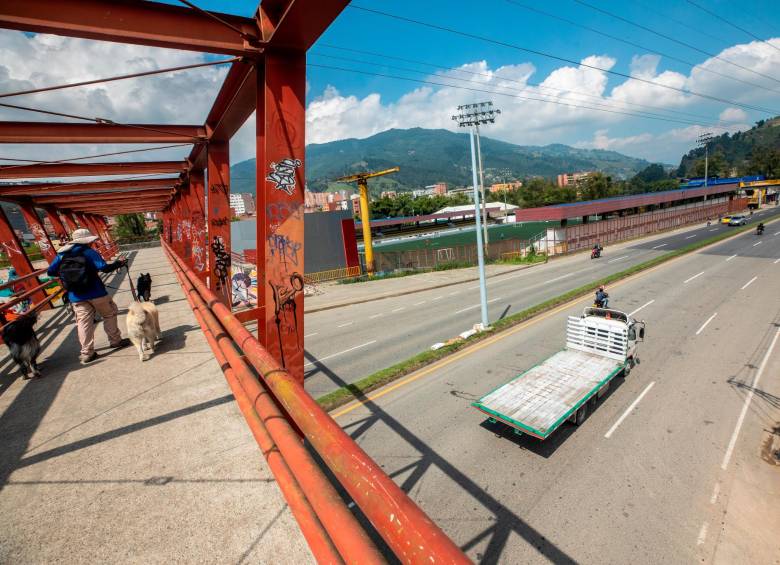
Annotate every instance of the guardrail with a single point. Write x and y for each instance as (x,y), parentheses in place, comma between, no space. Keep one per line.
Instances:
(28,293)
(275,406)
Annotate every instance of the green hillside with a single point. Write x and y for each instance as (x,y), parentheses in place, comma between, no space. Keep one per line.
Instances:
(428,156)
(754,151)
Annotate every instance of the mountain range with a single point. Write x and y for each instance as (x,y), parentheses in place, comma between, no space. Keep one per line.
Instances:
(427,156)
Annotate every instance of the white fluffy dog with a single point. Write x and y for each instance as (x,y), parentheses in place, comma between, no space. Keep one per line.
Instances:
(143,327)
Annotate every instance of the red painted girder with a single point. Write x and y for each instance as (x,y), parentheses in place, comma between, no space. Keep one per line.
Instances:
(131,21)
(47,170)
(60,132)
(103,197)
(297,24)
(58,188)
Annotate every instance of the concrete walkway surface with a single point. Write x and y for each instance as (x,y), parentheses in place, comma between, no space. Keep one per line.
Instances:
(129,462)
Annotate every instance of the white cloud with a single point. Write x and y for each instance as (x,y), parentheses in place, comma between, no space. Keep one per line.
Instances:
(734,115)
(602,141)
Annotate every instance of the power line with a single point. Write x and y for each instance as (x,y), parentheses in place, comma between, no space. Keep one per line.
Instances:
(670,38)
(563,59)
(27,162)
(119,77)
(729,22)
(627,42)
(678,22)
(596,106)
(487,91)
(618,104)
(215,17)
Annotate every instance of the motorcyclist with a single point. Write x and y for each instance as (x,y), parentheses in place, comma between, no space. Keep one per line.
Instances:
(596,252)
(602,298)
(760,228)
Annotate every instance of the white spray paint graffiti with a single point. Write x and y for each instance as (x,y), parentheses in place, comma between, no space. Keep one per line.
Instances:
(283,175)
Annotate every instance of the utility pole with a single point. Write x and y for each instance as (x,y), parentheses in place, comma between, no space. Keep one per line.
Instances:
(482,192)
(471,115)
(703,141)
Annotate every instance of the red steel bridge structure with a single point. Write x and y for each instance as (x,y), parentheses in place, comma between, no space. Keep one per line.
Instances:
(267,76)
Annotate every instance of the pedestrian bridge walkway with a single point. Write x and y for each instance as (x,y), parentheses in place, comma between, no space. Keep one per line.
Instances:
(121,461)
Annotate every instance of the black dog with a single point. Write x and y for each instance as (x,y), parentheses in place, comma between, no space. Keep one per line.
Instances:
(20,337)
(144,287)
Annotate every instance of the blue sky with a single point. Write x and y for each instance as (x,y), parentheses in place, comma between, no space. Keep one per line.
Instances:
(567,108)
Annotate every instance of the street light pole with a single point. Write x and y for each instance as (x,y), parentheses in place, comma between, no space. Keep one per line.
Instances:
(704,140)
(482,191)
(472,115)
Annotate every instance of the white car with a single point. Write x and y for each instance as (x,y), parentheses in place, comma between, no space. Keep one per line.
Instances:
(738,220)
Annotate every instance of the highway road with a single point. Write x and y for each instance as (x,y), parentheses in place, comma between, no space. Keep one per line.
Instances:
(656,472)
(346,344)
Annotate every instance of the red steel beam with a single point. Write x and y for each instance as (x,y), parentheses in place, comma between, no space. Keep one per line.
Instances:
(129,21)
(62,132)
(47,170)
(296,24)
(60,188)
(141,195)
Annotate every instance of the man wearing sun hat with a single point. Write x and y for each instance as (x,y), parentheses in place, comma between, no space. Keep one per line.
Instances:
(77,266)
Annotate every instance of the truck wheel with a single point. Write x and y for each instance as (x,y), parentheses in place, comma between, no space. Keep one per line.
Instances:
(582,413)
(627,368)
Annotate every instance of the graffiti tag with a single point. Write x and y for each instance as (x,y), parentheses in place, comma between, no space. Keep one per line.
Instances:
(284,304)
(283,175)
(219,222)
(221,263)
(284,248)
(219,189)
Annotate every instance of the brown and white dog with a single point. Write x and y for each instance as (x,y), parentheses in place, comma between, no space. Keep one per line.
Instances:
(143,327)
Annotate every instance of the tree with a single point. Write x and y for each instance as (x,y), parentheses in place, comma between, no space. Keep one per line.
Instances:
(596,186)
(651,173)
(130,225)
(716,167)
(764,161)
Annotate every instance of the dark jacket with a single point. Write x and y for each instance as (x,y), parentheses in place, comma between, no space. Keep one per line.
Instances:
(96,262)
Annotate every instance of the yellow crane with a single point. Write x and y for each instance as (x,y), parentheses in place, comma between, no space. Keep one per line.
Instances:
(365,218)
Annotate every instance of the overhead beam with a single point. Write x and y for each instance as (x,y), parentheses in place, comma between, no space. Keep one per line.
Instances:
(51,170)
(103,196)
(61,132)
(130,21)
(61,188)
(297,24)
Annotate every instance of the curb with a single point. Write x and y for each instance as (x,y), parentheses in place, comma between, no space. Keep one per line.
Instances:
(462,348)
(414,291)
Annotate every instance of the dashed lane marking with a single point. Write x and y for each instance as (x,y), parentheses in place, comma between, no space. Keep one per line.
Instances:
(641,307)
(339,353)
(628,411)
(704,325)
(686,281)
(747,284)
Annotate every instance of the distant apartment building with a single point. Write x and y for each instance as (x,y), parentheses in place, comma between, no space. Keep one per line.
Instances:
(438,188)
(389,194)
(324,201)
(243,203)
(573,179)
(505,186)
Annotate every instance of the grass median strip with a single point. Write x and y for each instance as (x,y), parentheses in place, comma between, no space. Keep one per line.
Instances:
(360,388)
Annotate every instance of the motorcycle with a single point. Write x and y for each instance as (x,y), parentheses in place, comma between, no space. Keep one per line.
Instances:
(759,230)
(595,253)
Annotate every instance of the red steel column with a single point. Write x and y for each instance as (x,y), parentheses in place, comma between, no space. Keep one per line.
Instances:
(70,219)
(186,223)
(219,219)
(60,231)
(36,227)
(280,126)
(197,205)
(12,248)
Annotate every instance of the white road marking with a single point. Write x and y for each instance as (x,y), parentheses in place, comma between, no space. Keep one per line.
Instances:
(419,303)
(628,411)
(777,233)
(642,306)
(398,309)
(690,236)
(730,258)
(454,293)
(437,298)
(473,287)
(702,534)
(657,246)
(716,229)
(617,259)
(559,278)
(345,325)
(309,335)
(776,261)
(748,398)
(686,281)
(757,243)
(475,306)
(715,493)
(704,325)
(339,353)
(376,316)
(747,284)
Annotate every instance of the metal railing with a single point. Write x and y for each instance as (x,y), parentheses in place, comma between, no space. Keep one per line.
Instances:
(333,274)
(53,286)
(275,405)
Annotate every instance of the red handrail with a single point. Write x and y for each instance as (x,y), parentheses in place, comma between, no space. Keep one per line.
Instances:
(22,278)
(408,531)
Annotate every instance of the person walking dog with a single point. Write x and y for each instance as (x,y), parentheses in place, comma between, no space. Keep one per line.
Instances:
(77,265)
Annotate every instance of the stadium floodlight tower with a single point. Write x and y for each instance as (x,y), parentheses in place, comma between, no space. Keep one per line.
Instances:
(704,140)
(472,115)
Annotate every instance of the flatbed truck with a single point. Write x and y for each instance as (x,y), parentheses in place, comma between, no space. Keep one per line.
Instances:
(600,345)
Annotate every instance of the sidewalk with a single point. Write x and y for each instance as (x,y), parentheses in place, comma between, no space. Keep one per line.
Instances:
(124,462)
(335,295)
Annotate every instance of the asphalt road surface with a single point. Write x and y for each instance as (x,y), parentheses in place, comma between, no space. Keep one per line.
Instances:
(648,477)
(346,344)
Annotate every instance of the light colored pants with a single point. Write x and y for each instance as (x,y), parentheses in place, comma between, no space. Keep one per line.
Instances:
(85,322)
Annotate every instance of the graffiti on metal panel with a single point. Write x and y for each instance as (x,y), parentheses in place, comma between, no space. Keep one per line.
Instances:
(283,248)
(283,175)
(187,226)
(242,295)
(285,308)
(198,237)
(40,237)
(11,248)
(277,213)
(219,189)
(221,263)
(219,222)
(178,231)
